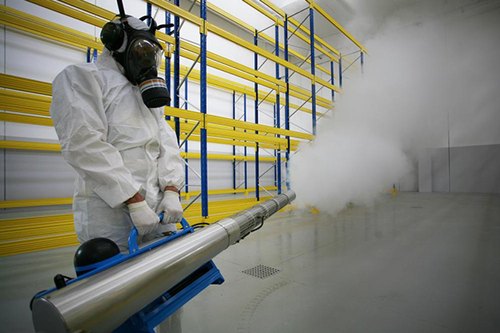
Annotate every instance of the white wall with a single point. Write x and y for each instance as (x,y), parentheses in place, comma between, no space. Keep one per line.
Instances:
(473,169)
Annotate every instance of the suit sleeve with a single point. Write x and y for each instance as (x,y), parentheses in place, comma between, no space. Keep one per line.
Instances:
(170,163)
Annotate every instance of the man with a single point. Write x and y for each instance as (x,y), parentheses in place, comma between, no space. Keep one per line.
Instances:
(126,156)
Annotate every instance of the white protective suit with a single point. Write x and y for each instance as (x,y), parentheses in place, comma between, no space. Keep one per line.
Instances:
(115,143)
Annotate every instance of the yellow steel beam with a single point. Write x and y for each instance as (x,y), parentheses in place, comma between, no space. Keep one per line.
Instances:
(68,38)
(276,9)
(264,12)
(304,38)
(225,65)
(245,44)
(197,116)
(39,230)
(227,157)
(90,8)
(267,81)
(316,37)
(28,85)
(220,82)
(237,138)
(295,53)
(228,62)
(45,29)
(36,19)
(249,70)
(226,84)
(232,70)
(24,102)
(31,244)
(68,11)
(229,17)
(17,118)
(281,23)
(301,27)
(231,134)
(35,202)
(35,104)
(185,114)
(239,41)
(33,221)
(48,232)
(251,29)
(175,10)
(232,140)
(257,127)
(220,135)
(29,221)
(330,19)
(26,145)
(224,203)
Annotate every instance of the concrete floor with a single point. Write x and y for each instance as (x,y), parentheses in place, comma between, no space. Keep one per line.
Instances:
(413,263)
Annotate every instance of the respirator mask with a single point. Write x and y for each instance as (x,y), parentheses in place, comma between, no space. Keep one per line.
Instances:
(135,47)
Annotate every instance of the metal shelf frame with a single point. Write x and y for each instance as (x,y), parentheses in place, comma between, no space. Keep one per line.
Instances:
(27,101)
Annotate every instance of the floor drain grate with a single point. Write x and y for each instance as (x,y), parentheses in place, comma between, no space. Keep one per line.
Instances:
(261,271)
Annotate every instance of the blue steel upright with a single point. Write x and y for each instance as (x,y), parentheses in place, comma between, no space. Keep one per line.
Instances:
(186,143)
(203,109)
(362,60)
(245,149)
(168,66)
(149,12)
(332,78)
(177,71)
(256,86)
(278,107)
(340,70)
(234,147)
(287,101)
(313,69)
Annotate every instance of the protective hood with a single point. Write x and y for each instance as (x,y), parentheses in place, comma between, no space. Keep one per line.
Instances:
(134,46)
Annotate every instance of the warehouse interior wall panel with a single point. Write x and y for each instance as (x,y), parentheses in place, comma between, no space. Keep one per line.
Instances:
(472,169)
(28,132)
(475,169)
(440,166)
(48,14)
(2,172)
(220,172)
(49,58)
(37,174)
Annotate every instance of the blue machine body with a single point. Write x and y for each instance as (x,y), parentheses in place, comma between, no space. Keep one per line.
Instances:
(164,306)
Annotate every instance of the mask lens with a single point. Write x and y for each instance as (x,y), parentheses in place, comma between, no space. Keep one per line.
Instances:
(143,55)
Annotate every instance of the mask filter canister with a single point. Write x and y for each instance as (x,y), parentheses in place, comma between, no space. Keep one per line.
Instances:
(154,92)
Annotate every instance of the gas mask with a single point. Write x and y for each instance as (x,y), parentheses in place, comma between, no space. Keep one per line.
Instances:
(135,47)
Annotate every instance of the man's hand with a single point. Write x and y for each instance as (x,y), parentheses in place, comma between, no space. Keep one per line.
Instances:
(143,217)
(171,207)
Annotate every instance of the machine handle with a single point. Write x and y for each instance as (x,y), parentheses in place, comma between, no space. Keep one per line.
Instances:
(133,246)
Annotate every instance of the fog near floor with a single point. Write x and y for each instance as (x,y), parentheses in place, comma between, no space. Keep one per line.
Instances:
(430,80)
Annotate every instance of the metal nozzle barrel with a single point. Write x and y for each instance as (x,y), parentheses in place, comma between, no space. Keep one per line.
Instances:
(104,301)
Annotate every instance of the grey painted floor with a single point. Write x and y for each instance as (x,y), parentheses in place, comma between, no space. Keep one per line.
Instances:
(413,263)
